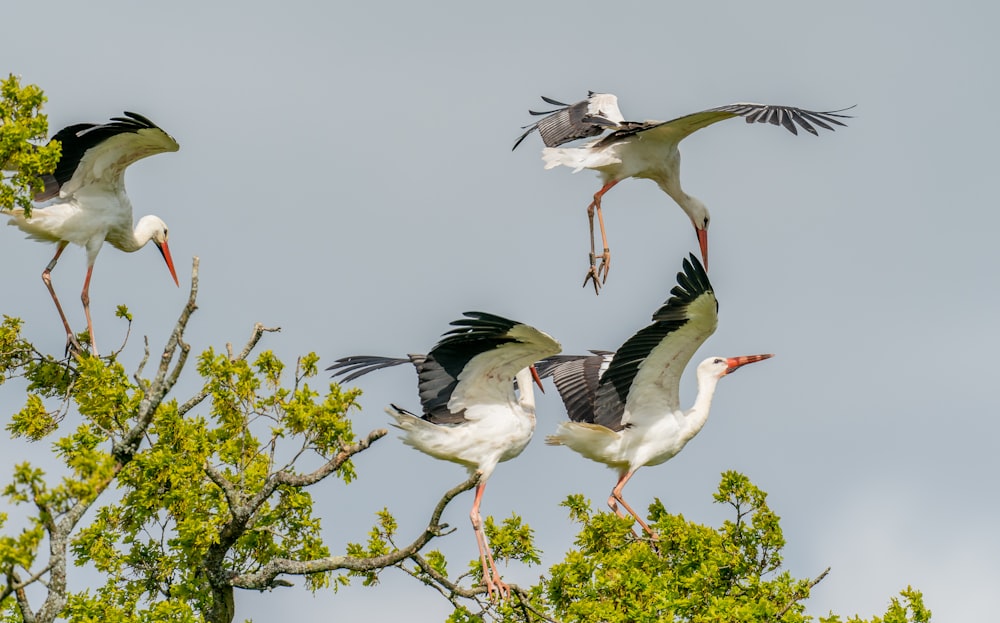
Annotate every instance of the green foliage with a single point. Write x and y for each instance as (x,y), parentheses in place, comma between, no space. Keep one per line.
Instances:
(215,488)
(690,572)
(910,610)
(175,513)
(208,497)
(22,162)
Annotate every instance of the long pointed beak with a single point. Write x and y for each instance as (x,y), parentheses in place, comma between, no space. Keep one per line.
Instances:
(703,244)
(165,252)
(735,363)
(537,379)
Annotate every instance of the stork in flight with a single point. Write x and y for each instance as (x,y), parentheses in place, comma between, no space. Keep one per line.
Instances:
(624,407)
(471,414)
(86,202)
(645,149)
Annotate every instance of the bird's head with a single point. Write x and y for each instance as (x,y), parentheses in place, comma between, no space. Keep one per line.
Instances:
(700,218)
(152,228)
(719,367)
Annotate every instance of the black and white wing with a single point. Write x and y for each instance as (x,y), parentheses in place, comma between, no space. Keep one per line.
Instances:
(432,382)
(472,368)
(577,378)
(99,153)
(647,368)
(675,130)
(473,365)
(590,117)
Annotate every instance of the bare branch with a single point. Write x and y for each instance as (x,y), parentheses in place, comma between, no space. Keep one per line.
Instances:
(162,383)
(455,589)
(802,594)
(285,477)
(233,497)
(137,377)
(258,331)
(15,584)
(22,601)
(265,577)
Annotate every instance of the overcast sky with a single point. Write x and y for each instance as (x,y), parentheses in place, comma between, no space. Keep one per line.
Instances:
(345,173)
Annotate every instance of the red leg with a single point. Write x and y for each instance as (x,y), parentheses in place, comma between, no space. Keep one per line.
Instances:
(599,274)
(491,577)
(47,279)
(616,497)
(85,297)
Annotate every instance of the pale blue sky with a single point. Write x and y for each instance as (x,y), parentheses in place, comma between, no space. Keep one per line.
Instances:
(345,173)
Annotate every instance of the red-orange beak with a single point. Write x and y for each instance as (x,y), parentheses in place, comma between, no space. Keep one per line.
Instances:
(703,244)
(735,363)
(537,379)
(165,252)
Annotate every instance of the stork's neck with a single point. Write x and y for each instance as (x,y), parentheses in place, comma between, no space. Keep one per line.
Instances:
(137,238)
(697,415)
(526,389)
(692,206)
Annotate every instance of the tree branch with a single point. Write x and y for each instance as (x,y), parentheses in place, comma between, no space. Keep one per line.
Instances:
(164,380)
(285,477)
(802,594)
(258,331)
(265,577)
(14,583)
(123,451)
(233,497)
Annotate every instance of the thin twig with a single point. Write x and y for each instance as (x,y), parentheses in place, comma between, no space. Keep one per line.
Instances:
(802,594)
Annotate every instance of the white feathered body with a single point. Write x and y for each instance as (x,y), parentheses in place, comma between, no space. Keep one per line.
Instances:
(636,156)
(494,431)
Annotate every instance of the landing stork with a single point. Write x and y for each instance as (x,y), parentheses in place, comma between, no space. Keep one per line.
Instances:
(646,149)
(624,407)
(471,413)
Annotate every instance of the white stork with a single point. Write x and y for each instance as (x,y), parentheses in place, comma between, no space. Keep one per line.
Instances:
(624,407)
(86,202)
(471,414)
(646,149)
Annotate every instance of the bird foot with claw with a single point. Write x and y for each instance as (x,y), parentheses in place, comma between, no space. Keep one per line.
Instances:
(598,273)
(73,346)
(497,589)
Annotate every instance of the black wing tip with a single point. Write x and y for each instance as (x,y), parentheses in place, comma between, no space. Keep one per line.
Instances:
(141,119)
(693,268)
(476,326)
(346,369)
(789,117)
(692,282)
(478,317)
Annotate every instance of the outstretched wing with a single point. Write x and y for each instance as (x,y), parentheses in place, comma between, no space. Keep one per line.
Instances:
(590,117)
(480,358)
(99,153)
(677,129)
(577,378)
(473,365)
(647,368)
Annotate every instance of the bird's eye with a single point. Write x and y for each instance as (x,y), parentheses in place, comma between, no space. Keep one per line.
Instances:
(717,360)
